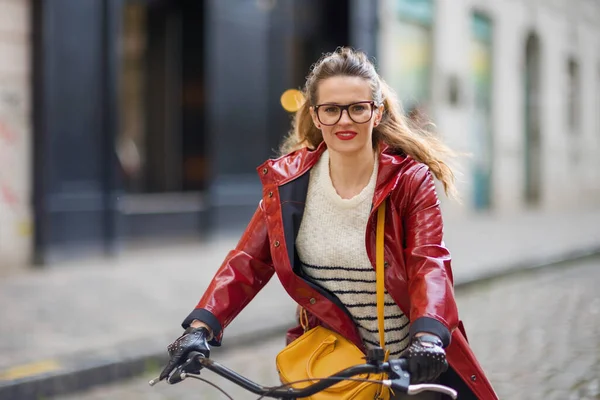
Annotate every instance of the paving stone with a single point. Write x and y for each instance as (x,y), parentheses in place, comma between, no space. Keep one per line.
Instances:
(537,335)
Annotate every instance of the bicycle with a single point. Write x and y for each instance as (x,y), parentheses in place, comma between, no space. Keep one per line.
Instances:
(398,378)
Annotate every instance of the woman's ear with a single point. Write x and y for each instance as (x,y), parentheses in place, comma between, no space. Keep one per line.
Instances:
(313,115)
(379,114)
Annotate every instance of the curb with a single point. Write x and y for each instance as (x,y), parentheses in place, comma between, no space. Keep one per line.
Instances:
(528,265)
(85,370)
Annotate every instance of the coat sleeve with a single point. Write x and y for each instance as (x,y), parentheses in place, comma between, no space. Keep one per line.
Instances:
(243,273)
(430,281)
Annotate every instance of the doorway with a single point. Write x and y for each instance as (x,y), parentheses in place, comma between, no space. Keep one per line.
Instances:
(162,141)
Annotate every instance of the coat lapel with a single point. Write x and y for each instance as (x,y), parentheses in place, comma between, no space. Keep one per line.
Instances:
(292,197)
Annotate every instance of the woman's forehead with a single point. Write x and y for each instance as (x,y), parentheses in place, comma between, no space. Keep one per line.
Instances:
(343,90)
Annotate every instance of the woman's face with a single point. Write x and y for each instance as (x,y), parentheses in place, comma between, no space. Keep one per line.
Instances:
(346,136)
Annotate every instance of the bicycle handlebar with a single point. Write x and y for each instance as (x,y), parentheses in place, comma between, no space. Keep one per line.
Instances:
(396,370)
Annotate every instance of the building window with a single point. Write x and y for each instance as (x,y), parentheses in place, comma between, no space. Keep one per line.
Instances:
(410,72)
(533,136)
(573,106)
(481,119)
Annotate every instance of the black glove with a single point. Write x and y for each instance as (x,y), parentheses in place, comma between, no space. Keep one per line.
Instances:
(426,359)
(193,339)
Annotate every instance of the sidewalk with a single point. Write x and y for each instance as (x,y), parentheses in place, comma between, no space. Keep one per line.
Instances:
(71,326)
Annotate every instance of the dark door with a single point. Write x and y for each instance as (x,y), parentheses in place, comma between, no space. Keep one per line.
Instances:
(74,54)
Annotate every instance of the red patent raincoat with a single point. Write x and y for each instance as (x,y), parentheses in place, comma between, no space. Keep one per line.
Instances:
(418,275)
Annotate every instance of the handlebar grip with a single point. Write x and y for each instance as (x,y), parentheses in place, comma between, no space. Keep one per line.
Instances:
(194,354)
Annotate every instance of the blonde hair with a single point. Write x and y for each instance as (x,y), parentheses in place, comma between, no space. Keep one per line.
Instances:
(395,130)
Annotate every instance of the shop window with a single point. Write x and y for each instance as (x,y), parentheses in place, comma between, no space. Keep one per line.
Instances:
(408,68)
(162,142)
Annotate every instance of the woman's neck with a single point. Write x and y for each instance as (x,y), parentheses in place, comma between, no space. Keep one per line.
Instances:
(350,173)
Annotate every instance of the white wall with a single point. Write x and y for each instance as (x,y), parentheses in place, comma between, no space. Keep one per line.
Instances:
(589,52)
(15,135)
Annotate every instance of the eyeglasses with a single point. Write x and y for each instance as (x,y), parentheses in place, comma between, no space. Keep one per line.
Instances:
(330,114)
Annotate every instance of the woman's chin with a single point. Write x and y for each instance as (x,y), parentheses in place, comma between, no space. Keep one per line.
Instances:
(348,148)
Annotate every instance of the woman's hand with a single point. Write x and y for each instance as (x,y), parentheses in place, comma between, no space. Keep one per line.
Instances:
(426,358)
(193,339)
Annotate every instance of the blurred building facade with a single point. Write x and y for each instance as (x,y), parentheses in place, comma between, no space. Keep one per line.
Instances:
(129,119)
(515,83)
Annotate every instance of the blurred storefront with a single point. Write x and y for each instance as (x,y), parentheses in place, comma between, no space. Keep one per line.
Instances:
(407,59)
(130,120)
(152,115)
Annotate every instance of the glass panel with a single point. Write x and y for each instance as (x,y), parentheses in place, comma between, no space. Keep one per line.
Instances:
(481,75)
(420,11)
(411,61)
(131,141)
(161,145)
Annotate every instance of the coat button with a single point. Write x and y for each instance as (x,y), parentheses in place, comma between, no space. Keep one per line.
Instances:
(312,300)
(264,171)
(473,378)
(386,264)
(276,243)
(270,194)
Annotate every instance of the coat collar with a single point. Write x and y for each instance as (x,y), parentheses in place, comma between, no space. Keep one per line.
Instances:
(291,166)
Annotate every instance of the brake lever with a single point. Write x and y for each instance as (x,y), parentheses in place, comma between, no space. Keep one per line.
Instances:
(416,389)
(399,378)
(154,381)
(178,375)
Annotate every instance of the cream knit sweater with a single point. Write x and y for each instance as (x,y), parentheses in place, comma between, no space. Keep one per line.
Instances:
(331,246)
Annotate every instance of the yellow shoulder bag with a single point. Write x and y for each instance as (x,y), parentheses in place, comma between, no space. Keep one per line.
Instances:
(320,352)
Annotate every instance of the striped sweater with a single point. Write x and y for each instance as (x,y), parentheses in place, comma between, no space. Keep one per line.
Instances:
(331,247)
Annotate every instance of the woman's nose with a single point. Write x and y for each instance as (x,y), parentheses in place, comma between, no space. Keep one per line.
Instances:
(345,118)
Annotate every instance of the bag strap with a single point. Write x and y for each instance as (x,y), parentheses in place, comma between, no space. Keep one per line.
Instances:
(380,273)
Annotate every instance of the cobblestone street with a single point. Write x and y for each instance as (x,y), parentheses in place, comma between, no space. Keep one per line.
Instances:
(537,335)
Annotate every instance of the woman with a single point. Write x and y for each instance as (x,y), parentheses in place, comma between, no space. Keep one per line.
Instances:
(350,150)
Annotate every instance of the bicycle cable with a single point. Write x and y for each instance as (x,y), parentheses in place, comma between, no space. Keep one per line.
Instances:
(318,379)
(211,384)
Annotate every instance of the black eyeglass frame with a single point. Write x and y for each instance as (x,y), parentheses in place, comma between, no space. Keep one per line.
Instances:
(347,108)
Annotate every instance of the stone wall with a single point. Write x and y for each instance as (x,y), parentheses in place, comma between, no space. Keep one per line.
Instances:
(15,135)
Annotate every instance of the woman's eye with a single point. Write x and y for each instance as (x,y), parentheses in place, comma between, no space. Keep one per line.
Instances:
(332,110)
(359,108)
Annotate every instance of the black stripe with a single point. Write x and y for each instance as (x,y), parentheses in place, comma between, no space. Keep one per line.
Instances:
(337,268)
(368,305)
(372,342)
(391,342)
(396,329)
(347,280)
(388,343)
(401,327)
(354,292)
(370,318)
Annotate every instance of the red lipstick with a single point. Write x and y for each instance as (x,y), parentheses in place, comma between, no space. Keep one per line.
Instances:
(346,135)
